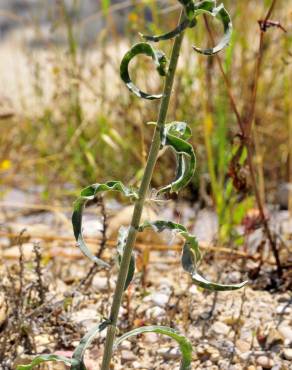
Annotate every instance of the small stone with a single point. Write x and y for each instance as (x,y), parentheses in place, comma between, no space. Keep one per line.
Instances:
(194,291)
(14,252)
(251,367)
(169,353)
(150,338)
(196,333)
(287,354)
(3,309)
(234,276)
(265,362)
(283,309)
(235,367)
(220,328)
(274,338)
(284,298)
(155,313)
(42,342)
(242,346)
(286,331)
(127,356)
(138,365)
(278,367)
(85,317)
(126,345)
(160,299)
(215,356)
(283,194)
(244,356)
(100,283)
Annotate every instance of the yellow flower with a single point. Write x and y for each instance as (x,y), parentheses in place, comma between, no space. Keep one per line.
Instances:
(133,17)
(5,165)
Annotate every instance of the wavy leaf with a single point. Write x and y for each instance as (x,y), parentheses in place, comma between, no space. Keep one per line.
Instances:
(184,345)
(186,23)
(175,135)
(157,56)
(209,8)
(122,240)
(191,255)
(192,10)
(87,194)
(77,360)
(188,261)
(190,240)
(45,358)
(189,6)
(78,355)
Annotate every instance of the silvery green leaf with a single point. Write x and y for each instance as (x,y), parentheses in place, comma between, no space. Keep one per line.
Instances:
(161,225)
(186,23)
(175,136)
(45,358)
(184,344)
(221,14)
(78,355)
(122,240)
(203,283)
(191,255)
(87,194)
(157,56)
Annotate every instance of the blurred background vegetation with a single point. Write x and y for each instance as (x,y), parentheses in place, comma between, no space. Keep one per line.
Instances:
(67,120)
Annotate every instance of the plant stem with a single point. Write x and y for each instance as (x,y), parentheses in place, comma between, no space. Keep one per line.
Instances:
(139,204)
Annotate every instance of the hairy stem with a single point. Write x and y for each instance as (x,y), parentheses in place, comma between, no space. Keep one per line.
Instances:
(151,161)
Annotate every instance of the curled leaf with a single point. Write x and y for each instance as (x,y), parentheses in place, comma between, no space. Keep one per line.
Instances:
(45,358)
(189,6)
(184,345)
(186,23)
(190,240)
(157,56)
(188,261)
(122,240)
(191,255)
(209,8)
(77,360)
(87,194)
(175,135)
(78,355)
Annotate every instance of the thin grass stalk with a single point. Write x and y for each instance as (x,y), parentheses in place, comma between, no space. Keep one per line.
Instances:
(246,129)
(151,161)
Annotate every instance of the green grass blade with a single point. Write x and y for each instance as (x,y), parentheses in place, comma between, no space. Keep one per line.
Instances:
(105,5)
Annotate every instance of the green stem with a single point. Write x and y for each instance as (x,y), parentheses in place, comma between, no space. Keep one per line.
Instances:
(139,204)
